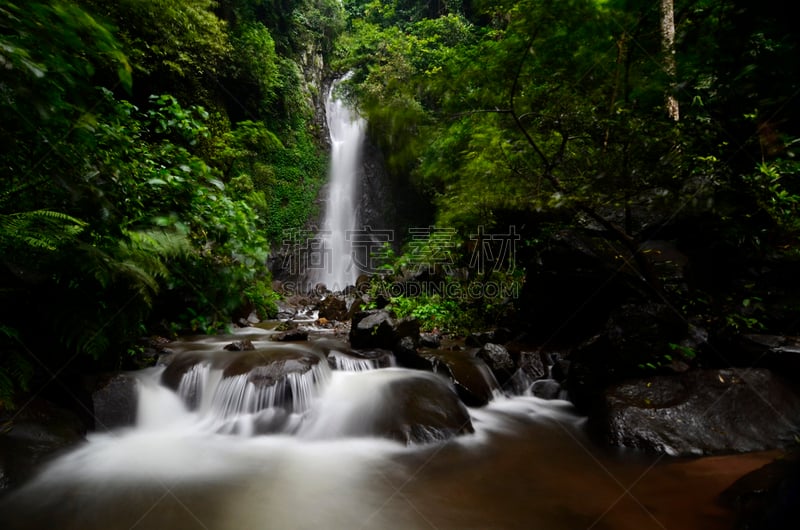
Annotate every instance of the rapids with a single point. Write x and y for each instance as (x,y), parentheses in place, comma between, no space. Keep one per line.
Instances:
(199,462)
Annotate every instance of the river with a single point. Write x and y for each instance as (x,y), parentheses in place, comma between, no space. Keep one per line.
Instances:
(528,465)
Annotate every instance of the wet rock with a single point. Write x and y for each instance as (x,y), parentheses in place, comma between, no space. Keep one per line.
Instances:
(291,335)
(379,329)
(333,308)
(499,361)
(767,498)
(532,365)
(546,389)
(422,409)
(33,435)
(700,412)
(406,354)
(240,345)
(498,336)
(430,340)
(114,401)
(770,351)
(472,379)
(179,364)
(348,359)
(273,365)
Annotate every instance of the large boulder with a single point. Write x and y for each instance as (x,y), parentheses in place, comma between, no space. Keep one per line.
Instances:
(32,435)
(333,307)
(472,379)
(379,328)
(499,361)
(405,405)
(114,401)
(422,408)
(776,352)
(766,499)
(700,412)
(269,366)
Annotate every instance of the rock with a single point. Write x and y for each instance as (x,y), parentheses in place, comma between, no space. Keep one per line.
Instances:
(240,345)
(499,361)
(333,308)
(291,335)
(114,401)
(766,499)
(379,329)
(355,360)
(404,405)
(405,352)
(498,336)
(286,325)
(777,352)
(430,340)
(31,436)
(546,389)
(700,412)
(472,379)
(373,329)
(178,364)
(532,365)
(273,365)
(423,408)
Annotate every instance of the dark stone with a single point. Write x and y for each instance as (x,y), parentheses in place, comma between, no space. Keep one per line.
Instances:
(430,340)
(497,336)
(286,325)
(405,352)
(546,389)
(379,329)
(473,380)
(114,401)
(777,352)
(422,408)
(373,329)
(333,308)
(240,345)
(700,412)
(32,436)
(532,365)
(379,358)
(291,335)
(177,366)
(272,365)
(767,498)
(499,361)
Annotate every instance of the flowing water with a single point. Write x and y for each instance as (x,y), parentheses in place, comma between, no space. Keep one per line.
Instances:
(336,268)
(195,459)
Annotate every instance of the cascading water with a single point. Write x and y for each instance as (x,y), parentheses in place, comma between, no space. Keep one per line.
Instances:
(305,436)
(336,269)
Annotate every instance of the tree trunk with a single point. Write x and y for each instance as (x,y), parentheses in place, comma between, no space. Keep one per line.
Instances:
(668,51)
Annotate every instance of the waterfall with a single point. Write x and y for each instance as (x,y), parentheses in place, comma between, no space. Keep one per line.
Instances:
(336,269)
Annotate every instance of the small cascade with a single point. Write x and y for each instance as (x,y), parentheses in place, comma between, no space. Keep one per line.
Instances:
(348,363)
(230,404)
(347,133)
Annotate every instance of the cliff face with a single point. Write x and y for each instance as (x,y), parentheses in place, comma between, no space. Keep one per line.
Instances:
(316,80)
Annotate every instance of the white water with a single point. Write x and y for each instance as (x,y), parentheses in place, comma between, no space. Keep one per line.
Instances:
(347,136)
(528,465)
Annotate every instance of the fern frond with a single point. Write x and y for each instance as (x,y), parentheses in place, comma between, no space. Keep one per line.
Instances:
(38,229)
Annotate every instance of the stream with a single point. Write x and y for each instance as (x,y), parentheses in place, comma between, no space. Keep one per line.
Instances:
(215,457)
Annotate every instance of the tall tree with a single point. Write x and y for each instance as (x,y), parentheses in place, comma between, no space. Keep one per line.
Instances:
(667,12)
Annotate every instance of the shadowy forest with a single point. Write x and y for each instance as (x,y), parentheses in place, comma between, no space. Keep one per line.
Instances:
(154,153)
